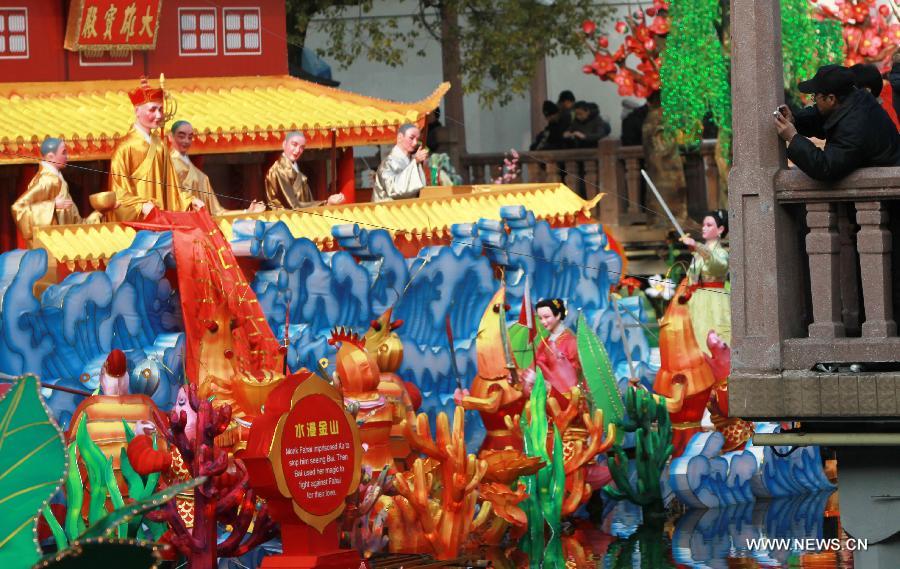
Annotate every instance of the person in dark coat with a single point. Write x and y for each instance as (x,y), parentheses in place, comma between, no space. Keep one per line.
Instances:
(867,76)
(858,133)
(551,137)
(633,117)
(587,129)
(566,104)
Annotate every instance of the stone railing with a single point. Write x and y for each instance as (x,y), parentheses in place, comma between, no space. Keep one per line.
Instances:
(839,241)
(610,168)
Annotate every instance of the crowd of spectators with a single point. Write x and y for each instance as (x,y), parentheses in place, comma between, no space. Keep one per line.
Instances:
(570,124)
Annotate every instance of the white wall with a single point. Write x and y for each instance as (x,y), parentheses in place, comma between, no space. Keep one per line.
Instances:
(487,129)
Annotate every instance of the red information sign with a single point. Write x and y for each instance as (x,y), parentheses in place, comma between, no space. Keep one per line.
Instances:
(112,24)
(317,454)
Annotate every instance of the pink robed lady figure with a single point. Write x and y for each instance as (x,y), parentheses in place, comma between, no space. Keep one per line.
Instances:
(557,357)
(557,354)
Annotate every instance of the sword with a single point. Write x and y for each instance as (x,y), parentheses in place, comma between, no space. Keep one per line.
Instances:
(507,349)
(662,202)
(621,324)
(453,365)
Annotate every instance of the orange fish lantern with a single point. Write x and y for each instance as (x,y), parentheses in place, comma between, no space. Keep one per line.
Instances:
(497,398)
(684,377)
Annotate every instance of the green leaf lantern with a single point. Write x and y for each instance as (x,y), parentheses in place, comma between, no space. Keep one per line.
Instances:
(32,465)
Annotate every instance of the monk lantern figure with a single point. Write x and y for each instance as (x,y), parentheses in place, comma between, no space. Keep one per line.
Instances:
(141,173)
(286,185)
(400,175)
(47,200)
(192,179)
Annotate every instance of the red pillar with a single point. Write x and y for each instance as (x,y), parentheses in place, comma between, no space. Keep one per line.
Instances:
(347,175)
(318,178)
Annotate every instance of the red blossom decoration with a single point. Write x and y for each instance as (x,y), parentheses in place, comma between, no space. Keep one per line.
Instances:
(588,27)
(869,35)
(640,41)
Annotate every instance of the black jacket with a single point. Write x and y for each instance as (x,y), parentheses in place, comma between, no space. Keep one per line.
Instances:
(857,135)
(633,125)
(551,138)
(594,129)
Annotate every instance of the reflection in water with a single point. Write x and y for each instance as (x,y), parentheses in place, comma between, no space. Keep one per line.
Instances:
(722,538)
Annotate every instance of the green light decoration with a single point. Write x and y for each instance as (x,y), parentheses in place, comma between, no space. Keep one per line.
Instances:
(695,71)
(807,43)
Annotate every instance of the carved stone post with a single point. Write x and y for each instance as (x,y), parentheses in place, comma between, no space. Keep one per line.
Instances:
(765,266)
(850,294)
(757,89)
(824,248)
(874,244)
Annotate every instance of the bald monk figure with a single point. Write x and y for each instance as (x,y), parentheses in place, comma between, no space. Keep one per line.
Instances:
(286,186)
(400,175)
(47,200)
(192,179)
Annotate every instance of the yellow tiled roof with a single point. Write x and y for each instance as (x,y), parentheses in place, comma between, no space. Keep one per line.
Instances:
(230,114)
(84,246)
(429,217)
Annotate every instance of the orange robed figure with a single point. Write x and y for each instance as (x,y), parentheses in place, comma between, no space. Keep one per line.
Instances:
(47,200)
(141,173)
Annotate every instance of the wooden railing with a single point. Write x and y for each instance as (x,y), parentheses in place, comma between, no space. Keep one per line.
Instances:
(842,241)
(609,168)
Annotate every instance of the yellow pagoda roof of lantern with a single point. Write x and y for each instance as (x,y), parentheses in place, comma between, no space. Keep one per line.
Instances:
(84,247)
(229,114)
(431,217)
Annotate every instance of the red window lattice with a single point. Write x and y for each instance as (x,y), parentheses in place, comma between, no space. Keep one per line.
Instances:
(197,31)
(13,33)
(242,31)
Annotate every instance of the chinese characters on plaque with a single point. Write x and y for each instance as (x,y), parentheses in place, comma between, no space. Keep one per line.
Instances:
(112,25)
(318,456)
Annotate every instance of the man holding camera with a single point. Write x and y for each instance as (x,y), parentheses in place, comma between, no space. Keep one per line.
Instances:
(857,131)
(400,175)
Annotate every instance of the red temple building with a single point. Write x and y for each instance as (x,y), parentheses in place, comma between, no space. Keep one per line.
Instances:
(66,65)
